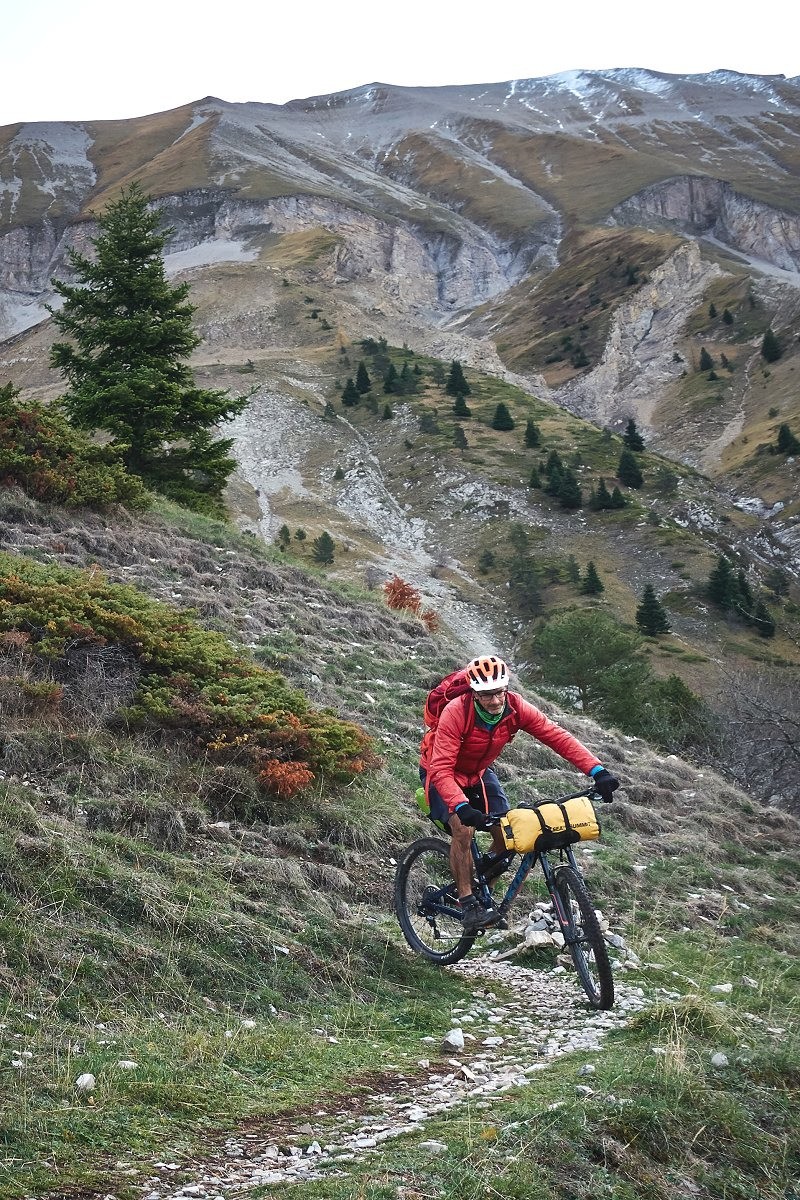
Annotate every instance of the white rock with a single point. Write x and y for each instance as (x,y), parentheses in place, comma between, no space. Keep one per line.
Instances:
(454,1040)
(85,1083)
(247,1023)
(538,937)
(721,989)
(434,1147)
(719,1060)
(748,981)
(127,1064)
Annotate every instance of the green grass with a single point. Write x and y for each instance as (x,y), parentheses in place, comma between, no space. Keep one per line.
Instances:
(656,1119)
(149,904)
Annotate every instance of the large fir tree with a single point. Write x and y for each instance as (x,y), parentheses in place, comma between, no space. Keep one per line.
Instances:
(592,584)
(456,383)
(770,347)
(628,471)
(532,434)
(631,437)
(350,395)
(569,490)
(125,363)
(787,443)
(502,418)
(363,381)
(650,616)
(722,586)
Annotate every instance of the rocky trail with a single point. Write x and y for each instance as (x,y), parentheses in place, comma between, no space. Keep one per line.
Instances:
(499,1041)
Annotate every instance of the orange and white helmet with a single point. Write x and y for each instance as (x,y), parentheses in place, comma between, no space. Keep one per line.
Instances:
(487,673)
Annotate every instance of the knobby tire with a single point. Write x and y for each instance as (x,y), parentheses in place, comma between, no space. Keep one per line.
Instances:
(425,903)
(589,954)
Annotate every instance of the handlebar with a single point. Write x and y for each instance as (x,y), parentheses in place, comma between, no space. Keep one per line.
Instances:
(591,793)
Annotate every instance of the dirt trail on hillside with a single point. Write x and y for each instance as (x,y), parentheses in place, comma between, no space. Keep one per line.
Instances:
(534,1019)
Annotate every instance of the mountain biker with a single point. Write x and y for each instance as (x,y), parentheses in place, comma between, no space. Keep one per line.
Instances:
(456,768)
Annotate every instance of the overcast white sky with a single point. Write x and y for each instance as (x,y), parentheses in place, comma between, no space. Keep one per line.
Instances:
(97,59)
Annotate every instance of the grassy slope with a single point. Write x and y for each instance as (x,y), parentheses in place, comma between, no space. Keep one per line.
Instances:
(147,932)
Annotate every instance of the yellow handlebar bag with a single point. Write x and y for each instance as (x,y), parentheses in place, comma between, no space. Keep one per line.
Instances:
(549,825)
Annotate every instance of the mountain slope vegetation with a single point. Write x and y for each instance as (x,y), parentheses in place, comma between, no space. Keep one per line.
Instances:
(236,948)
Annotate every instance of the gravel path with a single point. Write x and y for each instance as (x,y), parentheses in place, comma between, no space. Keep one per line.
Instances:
(541,1016)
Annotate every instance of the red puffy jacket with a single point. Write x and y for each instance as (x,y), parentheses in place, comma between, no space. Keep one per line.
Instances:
(457,753)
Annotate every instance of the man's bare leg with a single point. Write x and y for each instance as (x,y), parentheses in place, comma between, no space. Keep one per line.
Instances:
(460,855)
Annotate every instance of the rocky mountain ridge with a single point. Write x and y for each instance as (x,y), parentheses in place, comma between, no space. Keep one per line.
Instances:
(494,224)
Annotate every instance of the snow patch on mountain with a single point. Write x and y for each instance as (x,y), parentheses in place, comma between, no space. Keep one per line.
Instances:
(206,253)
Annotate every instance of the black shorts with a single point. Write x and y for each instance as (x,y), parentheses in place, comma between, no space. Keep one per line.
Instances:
(495,797)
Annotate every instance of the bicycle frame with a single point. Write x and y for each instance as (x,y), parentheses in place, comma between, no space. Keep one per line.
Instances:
(447,902)
(526,865)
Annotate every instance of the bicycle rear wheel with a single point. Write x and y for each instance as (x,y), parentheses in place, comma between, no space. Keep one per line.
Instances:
(426,903)
(583,937)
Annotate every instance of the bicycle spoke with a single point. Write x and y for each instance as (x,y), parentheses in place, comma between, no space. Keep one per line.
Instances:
(426,902)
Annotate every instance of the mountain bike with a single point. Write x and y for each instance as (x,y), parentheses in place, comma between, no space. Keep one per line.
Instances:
(426,905)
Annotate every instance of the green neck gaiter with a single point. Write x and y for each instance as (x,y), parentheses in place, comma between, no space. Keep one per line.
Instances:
(488,718)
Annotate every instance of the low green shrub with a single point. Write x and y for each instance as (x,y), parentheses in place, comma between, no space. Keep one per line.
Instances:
(192,679)
(42,453)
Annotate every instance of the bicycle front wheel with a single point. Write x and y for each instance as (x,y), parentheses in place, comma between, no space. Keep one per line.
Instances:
(583,937)
(426,903)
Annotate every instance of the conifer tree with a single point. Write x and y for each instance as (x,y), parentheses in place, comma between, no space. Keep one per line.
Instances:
(569,492)
(391,382)
(650,616)
(535,480)
(763,621)
(770,347)
(727,316)
(459,438)
(554,469)
(532,434)
(438,375)
(524,586)
(284,536)
(617,499)
(456,383)
(125,363)
(712,310)
(722,588)
(387,414)
(350,395)
(602,495)
(461,408)
(592,584)
(631,437)
(787,443)
(406,380)
(322,549)
(706,361)
(502,418)
(745,602)
(628,471)
(363,381)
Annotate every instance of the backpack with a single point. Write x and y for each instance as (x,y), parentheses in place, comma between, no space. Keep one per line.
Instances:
(451,686)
